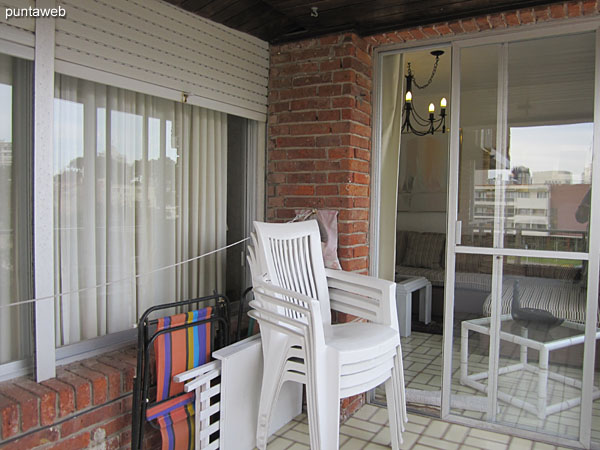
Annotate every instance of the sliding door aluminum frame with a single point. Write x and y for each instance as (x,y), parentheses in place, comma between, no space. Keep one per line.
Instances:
(573,26)
(498,254)
(589,356)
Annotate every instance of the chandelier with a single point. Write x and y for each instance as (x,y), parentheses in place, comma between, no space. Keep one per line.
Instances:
(411,117)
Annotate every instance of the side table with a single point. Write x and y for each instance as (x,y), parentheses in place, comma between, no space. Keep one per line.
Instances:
(405,286)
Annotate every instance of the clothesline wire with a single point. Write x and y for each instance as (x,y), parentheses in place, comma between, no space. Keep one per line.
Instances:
(300,216)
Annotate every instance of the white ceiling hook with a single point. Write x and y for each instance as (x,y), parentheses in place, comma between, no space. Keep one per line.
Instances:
(314,11)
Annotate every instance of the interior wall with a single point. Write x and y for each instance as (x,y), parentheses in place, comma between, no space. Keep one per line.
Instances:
(423,160)
(433,222)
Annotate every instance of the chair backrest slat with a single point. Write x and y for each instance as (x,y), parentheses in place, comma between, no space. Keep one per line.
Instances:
(294,260)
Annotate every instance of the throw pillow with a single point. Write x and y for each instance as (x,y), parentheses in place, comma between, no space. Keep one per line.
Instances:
(424,250)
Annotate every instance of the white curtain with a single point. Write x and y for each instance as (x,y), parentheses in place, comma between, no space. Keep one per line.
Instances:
(16,81)
(391,122)
(140,184)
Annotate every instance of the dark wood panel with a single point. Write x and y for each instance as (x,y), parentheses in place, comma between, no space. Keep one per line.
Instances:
(373,15)
(195,5)
(272,26)
(214,7)
(235,8)
(282,20)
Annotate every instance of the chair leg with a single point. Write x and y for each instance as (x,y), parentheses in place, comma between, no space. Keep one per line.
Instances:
(269,392)
(325,429)
(311,413)
(399,377)
(394,392)
(393,405)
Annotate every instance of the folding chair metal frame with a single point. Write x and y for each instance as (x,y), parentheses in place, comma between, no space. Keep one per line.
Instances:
(146,339)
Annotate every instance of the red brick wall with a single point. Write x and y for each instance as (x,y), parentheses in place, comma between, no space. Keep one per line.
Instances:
(319,144)
(87,404)
(555,12)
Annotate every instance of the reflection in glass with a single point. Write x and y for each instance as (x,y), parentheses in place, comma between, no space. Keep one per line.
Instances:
(478,116)
(541,345)
(541,178)
(140,185)
(15,220)
(473,284)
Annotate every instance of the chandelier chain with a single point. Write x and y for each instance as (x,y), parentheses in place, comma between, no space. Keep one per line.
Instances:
(433,71)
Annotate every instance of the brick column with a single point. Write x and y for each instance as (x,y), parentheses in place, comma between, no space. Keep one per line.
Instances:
(319,147)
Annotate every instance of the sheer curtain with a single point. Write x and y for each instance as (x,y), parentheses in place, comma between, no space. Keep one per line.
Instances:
(391,121)
(16,81)
(140,184)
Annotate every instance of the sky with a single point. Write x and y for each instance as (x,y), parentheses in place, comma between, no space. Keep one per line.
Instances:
(553,147)
(5,112)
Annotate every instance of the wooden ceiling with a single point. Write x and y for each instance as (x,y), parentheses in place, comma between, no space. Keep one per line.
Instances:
(286,20)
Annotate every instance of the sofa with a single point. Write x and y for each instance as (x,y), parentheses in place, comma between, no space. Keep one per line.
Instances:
(555,288)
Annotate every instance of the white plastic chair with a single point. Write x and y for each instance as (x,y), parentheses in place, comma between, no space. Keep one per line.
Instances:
(293,296)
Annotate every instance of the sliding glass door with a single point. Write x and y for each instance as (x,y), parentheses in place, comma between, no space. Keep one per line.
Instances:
(519,238)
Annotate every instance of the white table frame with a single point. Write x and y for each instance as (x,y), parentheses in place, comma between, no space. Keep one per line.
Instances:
(542,409)
(405,286)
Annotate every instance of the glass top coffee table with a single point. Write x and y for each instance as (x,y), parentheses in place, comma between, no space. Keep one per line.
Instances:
(543,340)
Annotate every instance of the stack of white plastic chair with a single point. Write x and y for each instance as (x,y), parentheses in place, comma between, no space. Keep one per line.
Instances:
(294,294)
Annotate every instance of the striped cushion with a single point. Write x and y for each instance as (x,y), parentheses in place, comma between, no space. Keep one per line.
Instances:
(180,350)
(175,417)
(436,277)
(176,352)
(475,281)
(563,299)
(465,262)
(400,244)
(424,250)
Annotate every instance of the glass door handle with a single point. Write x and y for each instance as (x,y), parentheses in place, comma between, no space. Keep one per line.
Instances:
(458,232)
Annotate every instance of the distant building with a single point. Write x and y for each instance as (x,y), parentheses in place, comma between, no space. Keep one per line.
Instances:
(552,177)
(526,206)
(564,201)
(5,154)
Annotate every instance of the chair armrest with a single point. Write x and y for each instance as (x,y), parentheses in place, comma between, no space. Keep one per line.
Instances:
(196,371)
(363,296)
(288,311)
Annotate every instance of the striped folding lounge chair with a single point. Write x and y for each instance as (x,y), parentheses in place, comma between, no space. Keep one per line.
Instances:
(180,342)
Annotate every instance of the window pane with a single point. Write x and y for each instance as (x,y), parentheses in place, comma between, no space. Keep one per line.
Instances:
(478,115)
(549,157)
(140,185)
(543,305)
(15,198)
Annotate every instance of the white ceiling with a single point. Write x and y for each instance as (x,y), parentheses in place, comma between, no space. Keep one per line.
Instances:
(551,80)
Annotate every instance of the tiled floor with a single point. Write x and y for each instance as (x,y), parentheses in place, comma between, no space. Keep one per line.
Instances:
(423,367)
(368,430)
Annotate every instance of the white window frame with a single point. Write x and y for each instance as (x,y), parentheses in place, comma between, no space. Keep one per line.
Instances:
(46,356)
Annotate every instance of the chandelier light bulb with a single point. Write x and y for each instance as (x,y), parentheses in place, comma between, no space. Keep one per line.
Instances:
(431,108)
(443,102)
(408,96)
